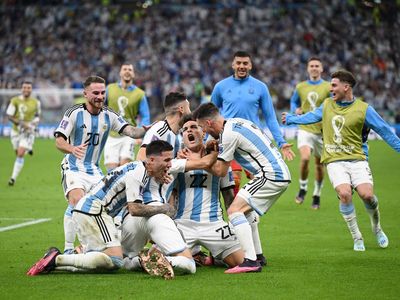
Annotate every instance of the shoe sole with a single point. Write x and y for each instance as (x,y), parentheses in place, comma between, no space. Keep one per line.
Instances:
(238,270)
(155,264)
(40,266)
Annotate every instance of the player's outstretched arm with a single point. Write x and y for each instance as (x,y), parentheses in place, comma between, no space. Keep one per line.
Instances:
(287,152)
(134,132)
(374,120)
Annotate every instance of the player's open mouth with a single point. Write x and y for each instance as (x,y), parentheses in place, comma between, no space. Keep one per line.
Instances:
(191,137)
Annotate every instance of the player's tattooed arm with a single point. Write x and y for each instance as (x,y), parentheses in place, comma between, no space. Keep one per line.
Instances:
(147,211)
(134,132)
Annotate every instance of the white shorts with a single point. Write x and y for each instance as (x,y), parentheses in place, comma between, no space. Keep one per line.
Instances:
(161,229)
(312,140)
(119,148)
(261,193)
(77,180)
(96,232)
(217,236)
(353,172)
(24,140)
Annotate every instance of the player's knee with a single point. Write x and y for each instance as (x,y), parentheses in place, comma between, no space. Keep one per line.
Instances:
(345,196)
(367,196)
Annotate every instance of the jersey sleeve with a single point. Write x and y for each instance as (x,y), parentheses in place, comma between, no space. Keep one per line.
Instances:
(216,96)
(66,125)
(268,111)
(117,122)
(311,117)
(151,135)
(374,120)
(11,108)
(144,111)
(227,181)
(294,101)
(178,166)
(227,145)
(134,184)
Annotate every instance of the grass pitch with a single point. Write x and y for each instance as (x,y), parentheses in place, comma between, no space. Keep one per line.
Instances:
(309,252)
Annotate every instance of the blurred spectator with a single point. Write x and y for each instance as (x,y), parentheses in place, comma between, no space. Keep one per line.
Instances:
(189,47)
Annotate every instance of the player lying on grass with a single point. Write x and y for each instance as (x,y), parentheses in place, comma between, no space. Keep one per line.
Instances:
(93,215)
(346,122)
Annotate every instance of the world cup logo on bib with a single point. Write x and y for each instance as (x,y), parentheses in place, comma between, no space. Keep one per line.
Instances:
(312,98)
(122,104)
(337,125)
(21,111)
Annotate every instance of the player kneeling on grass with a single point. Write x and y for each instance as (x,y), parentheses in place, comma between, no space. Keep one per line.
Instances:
(94,214)
(199,213)
(138,227)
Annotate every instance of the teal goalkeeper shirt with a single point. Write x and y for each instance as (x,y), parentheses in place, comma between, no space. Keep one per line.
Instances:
(243,98)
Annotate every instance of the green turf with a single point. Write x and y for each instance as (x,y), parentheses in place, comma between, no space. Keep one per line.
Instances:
(309,252)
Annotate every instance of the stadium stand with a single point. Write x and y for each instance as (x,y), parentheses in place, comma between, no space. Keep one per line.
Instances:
(188,44)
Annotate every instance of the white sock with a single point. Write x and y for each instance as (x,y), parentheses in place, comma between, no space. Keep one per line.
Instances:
(374,215)
(69,229)
(182,264)
(244,234)
(87,261)
(132,263)
(317,188)
(254,219)
(349,215)
(18,164)
(70,269)
(303,184)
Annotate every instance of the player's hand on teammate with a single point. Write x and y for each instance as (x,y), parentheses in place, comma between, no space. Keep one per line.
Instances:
(79,151)
(287,152)
(212,145)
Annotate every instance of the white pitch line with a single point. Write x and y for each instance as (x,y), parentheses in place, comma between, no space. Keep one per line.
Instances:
(15,226)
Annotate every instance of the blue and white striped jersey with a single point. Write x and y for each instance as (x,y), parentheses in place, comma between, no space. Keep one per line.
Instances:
(154,191)
(162,131)
(243,141)
(198,193)
(79,126)
(123,184)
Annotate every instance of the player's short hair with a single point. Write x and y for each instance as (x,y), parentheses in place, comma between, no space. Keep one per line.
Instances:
(185,119)
(206,110)
(314,58)
(93,79)
(241,54)
(156,148)
(172,99)
(345,76)
(27,82)
(126,64)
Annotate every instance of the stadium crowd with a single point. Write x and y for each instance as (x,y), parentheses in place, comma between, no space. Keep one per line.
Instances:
(190,45)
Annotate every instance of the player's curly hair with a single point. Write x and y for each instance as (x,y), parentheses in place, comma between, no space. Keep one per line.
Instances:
(345,76)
